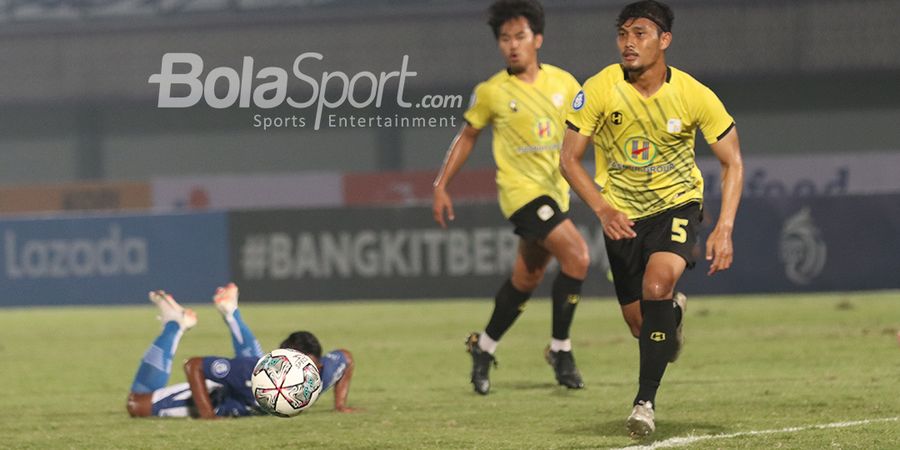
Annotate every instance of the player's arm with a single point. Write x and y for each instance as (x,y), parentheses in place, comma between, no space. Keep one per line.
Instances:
(719,247)
(615,223)
(457,155)
(342,387)
(193,368)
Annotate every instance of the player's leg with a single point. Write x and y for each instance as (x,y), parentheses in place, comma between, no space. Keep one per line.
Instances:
(670,243)
(528,270)
(156,365)
(626,262)
(242,339)
(657,340)
(566,244)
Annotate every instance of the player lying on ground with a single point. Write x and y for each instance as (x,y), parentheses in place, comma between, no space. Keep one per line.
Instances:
(218,386)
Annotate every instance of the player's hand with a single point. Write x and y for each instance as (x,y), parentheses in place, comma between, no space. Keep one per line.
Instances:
(719,249)
(442,205)
(616,224)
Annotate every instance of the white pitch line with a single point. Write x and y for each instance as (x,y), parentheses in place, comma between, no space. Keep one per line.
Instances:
(679,441)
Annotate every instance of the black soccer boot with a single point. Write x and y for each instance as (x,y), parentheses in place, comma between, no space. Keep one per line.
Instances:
(563,364)
(481,364)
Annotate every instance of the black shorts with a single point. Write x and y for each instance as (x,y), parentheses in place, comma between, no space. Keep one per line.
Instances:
(537,218)
(673,230)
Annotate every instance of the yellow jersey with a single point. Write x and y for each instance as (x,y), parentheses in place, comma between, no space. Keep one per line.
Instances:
(528,123)
(644,146)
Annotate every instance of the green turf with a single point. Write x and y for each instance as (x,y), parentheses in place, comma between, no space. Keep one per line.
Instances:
(751,363)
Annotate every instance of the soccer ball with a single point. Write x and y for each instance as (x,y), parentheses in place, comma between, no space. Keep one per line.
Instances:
(285,382)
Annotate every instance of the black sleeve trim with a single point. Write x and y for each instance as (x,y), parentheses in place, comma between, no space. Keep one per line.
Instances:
(719,138)
(573,127)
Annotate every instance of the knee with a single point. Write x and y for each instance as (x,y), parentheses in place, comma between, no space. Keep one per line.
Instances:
(527,282)
(139,405)
(576,265)
(656,289)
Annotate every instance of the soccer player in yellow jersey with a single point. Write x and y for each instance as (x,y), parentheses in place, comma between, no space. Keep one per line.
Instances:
(526,104)
(643,116)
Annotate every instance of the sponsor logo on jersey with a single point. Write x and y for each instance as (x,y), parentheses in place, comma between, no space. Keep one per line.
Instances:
(578,101)
(616,118)
(673,126)
(543,129)
(513,106)
(557,99)
(657,336)
(220,368)
(640,151)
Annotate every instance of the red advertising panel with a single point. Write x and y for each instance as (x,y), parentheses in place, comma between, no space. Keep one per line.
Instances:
(405,188)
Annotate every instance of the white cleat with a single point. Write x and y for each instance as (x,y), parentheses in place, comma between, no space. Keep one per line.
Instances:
(171,311)
(640,422)
(226,299)
(680,300)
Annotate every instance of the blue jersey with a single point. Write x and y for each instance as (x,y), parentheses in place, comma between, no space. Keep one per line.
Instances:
(232,397)
(228,382)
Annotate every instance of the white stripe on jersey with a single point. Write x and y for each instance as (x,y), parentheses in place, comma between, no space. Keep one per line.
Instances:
(179,392)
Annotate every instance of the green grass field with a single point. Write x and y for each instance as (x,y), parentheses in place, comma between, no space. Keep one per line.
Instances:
(751,364)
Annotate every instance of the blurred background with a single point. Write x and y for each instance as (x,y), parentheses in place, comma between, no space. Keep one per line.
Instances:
(104,194)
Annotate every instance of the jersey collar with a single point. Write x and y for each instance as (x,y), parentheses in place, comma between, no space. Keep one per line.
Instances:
(625,73)
(509,71)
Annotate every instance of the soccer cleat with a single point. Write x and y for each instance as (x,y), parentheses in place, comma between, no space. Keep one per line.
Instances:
(481,364)
(640,422)
(680,300)
(171,311)
(563,364)
(226,299)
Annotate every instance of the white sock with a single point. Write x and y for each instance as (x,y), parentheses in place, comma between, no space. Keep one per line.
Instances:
(561,345)
(485,343)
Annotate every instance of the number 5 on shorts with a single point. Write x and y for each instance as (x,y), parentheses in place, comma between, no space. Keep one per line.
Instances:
(679,234)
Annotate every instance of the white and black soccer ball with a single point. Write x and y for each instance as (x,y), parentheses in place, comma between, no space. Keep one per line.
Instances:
(285,382)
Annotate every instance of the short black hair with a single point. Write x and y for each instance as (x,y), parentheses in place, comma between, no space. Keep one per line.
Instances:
(659,13)
(304,342)
(505,10)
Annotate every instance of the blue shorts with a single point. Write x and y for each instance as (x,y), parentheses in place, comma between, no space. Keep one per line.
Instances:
(176,400)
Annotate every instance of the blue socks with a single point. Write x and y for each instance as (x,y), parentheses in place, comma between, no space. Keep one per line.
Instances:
(156,366)
(243,340)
